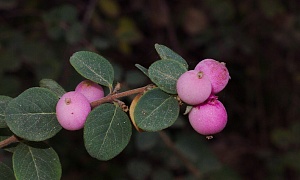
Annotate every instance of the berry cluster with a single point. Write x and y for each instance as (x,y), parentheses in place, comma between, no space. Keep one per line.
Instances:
(198,88)
(73,107)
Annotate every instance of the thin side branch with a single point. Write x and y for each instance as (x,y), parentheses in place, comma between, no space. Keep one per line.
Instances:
(112,97)
(8,141)
(188,164)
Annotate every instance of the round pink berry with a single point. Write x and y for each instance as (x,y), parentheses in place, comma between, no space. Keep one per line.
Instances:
(72,110)
(193,87)
(216,72)
(91,90)
(208,118)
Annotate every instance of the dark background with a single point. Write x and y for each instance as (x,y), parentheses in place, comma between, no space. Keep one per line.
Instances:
(258,40)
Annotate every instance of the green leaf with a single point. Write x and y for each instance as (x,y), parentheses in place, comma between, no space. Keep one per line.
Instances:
(32,115)
(107,131)
(36,161)
(53,86)
(93,67)
(166,53)
(156,110)
(165,74)
(6,172)
(143,69)
(4,100)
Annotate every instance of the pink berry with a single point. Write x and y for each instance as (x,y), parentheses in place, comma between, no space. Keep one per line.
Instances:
(216,72)
(91,90)
(193,87)
(72,110)
(208,118)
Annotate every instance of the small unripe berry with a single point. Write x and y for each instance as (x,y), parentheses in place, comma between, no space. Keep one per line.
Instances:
(193,87)
(216,72)
(91,90)
(72,110)
(208,118)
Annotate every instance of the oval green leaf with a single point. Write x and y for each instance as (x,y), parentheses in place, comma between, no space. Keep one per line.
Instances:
(36,161)
(32,115)
(165,74)
(143,69)
(53,86)
(156,110)
(93,67)
(4,100)
(6,172)
(107,131)
(166,53)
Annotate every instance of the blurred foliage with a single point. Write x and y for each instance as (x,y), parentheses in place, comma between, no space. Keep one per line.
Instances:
(258,40)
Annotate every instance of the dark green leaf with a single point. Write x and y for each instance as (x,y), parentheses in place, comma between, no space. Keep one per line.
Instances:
(156,110)
(166,53)
(32,115)
(53,86)
(143,69)
(6,172)
(4,100)
(93,67)
(36,161)
(107,131)
(165,74)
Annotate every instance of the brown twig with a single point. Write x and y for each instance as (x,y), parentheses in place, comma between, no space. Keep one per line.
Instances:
(113,96)
(8,141)
(188,164)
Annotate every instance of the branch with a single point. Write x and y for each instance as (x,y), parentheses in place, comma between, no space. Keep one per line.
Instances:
(113,96)
(188,164)
(8,141)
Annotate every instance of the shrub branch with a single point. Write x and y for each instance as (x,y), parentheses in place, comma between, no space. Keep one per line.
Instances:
(114,96)
(8,141)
